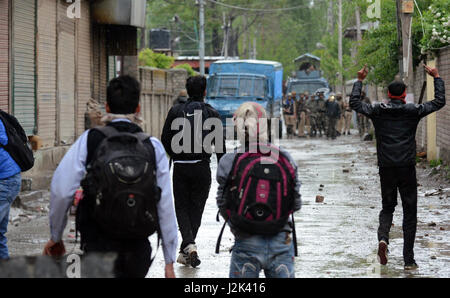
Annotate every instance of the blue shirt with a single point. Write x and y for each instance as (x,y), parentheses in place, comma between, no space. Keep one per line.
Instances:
(8,167)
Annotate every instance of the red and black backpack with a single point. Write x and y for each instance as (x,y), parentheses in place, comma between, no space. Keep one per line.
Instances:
(259,192)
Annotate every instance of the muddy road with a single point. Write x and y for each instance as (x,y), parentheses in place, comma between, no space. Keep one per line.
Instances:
(336,238)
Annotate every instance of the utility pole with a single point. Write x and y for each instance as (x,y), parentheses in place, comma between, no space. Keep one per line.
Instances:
(407,9)
(399,37)
(358,24)
(330,21)
(254,44)
(341,75)
(202,38)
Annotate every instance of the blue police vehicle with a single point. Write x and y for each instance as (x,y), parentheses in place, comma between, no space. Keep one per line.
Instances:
(308,77)
(233,82)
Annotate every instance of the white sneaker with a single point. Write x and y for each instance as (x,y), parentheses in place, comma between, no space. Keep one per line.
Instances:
(192,255)
(183,259)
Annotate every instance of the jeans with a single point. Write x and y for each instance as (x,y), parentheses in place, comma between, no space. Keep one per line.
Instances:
(403,179)
(273,254)
(191,185)
(9,189)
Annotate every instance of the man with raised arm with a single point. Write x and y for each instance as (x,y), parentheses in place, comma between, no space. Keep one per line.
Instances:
(395,130)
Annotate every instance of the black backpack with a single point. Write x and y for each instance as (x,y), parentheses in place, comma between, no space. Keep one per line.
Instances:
(195,113)
(18,146)
(259,192)
(120,188)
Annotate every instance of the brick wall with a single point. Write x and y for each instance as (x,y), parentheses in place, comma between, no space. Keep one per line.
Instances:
(179,77)
(159,89)
(442,116)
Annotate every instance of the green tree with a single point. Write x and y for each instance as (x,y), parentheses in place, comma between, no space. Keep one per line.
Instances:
(380,47)
(149,58)
(189,69)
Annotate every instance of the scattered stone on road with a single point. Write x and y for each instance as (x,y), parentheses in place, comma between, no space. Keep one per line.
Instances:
(319,199)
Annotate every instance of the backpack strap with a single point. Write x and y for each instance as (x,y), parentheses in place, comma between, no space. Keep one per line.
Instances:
(142,136)
(158,243)
(220,236)
(294,236)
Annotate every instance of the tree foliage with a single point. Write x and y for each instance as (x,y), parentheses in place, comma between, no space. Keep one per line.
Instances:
(188,68)
(436,26)
(277,35)
(149,58)
(283,35)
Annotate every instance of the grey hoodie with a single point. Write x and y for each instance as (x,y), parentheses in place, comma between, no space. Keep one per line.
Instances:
(224,169)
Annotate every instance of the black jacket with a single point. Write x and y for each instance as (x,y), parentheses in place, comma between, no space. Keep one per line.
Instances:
(168,133)
(396,124)
(332,109)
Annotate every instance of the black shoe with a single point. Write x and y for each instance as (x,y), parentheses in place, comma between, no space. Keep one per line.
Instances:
(412,266)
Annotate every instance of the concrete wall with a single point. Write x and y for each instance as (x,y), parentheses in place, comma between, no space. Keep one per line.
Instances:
(442,116)
(159,89)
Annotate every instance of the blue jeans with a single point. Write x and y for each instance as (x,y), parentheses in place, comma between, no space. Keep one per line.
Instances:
(9,189)
(273,254)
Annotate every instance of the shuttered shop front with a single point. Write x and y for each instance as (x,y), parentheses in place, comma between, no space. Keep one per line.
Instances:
(4,54)
(84,64)
(66,75)
(46,70)
(23,63)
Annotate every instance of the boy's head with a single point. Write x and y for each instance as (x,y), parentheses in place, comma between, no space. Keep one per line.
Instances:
(196,87)
(122,96)
(250,120)
(396,88)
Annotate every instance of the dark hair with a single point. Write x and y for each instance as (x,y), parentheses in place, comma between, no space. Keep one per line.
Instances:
(196,87)
(397,88)
(123,95)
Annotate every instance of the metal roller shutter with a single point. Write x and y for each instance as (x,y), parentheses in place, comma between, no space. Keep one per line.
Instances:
(46,70)
(23,63)
(4,55)
(66,75)
(83,64)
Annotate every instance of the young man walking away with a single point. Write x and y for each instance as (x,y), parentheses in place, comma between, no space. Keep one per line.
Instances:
(191,158)
(258,192)
(126,184)
(395,129)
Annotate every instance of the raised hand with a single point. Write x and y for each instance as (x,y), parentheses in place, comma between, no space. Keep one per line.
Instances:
(362,74)
(431,71)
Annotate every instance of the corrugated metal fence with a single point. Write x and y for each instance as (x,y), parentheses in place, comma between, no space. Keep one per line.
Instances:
(4,55)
